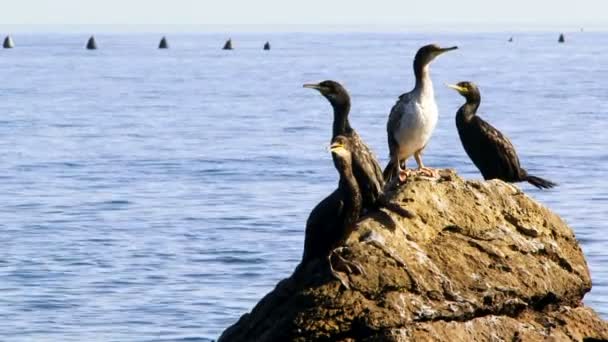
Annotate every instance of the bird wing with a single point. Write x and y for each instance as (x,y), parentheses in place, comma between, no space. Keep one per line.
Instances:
(394,120)
(367,171)
(321,226)
(500,149)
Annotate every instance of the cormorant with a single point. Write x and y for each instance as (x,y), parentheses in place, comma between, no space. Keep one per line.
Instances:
(163,43)
(490,150)
(561,38)
(228,45)
(511,40)
(92,44)
(267,46)
(413,118)
(8,43)
(334,218)
(366,169)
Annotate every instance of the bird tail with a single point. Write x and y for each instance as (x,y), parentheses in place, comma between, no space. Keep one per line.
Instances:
(540,182)
(389,171)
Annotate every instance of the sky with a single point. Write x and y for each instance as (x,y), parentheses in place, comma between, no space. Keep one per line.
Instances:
(282,14)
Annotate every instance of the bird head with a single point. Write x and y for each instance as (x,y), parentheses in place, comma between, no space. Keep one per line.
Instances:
(428,53)
(340,150)
(467,89)
(333,91)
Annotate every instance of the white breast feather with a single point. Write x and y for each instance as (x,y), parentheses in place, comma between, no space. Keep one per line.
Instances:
(418,121)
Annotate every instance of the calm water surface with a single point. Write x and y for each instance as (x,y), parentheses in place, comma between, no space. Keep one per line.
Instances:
(156,195)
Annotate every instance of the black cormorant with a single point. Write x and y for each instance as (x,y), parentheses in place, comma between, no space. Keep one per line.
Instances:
(267,46)
(413,118)
(92,44)
(366,169)
(561,38)
(490,150)
(365,166)
(334,218)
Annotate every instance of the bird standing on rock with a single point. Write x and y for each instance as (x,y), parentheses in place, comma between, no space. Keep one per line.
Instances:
(334,218)
(413,118)
(490,150)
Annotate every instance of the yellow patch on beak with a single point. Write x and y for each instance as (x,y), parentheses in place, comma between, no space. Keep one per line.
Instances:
(335,147)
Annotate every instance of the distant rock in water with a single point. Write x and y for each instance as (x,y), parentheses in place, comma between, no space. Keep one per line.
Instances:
(481,261)
(163,43)
(267,46)
(8,43)
(92,44)
(511,40)
(228,45)
(561,39)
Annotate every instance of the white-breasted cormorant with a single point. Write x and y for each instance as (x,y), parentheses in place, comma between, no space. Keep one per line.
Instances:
(490,150)
(413,118)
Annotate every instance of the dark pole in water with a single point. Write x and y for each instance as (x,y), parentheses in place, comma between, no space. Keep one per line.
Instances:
(561,38)
(163,44)
(92,44)
(8,43)
(267,46)
(228,45)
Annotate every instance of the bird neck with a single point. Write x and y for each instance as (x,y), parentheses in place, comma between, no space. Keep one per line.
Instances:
(468,110)
(423,78)
(350,187)
(341,123)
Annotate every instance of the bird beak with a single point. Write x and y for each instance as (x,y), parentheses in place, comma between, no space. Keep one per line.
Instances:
(459,89)
(313,86)
(444,50)
(335,147)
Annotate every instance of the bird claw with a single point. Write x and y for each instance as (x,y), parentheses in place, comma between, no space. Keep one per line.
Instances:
(343,266)
(427,171)
(404,174)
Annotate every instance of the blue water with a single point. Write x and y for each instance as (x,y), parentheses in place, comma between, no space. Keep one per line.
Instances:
(157,195)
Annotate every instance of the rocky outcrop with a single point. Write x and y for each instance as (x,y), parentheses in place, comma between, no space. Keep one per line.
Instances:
(481,261)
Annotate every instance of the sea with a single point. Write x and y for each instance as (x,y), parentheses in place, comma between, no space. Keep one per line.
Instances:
(157,195)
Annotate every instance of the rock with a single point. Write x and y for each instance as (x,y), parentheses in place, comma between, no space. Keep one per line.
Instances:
(228,45)
(91,43)
(163,43)
(8,43)
(481,261)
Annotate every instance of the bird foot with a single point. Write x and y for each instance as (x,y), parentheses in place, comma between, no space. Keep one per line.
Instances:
(404,174)
(428,172)
(341,266)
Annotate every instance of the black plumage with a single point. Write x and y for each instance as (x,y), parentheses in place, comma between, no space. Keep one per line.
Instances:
(488,148)
(333,219)
(366,169)
(365,165)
